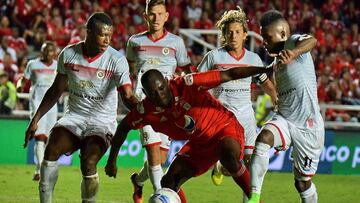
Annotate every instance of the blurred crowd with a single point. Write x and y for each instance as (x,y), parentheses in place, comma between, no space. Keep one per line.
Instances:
(26,24)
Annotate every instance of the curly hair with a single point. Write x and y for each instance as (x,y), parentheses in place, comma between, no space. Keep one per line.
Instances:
(232,16)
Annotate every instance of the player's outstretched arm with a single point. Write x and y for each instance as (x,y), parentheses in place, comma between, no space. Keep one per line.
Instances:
(117,141)
(51,96)
(242,72)
(214,78)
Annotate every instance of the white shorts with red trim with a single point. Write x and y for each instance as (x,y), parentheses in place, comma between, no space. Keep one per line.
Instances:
(307,143)
(83,126)
(46,123)
(247,121)
(149,137)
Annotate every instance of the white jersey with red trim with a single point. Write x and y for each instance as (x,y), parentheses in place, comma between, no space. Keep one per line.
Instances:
(234,95)
(297,89)
(41,76)
(92,83)
(163,54)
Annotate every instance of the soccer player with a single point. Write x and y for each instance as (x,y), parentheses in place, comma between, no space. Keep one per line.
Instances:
(235,95)
(166,52)
(92,72)
(183,109)
(41,73)
(298,122)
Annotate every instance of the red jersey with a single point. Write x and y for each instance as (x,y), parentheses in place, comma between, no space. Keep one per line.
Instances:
(194,115)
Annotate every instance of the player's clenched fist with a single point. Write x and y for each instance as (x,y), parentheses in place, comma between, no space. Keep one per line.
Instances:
(29,134)
(111,170)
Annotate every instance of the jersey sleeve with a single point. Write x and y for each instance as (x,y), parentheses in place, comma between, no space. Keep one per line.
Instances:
(61,63)
(207,63)
(181,55)
(27,71)
(130,53)
(205,80)
(135,117)
(293,40)
(122,75)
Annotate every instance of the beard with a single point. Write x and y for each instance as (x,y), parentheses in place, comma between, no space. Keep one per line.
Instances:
(277,48)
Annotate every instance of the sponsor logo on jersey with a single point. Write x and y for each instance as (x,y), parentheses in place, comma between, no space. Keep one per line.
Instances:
(86,96)
(286,92)
(100,74)
(85,84)
(153,61)
(134,123)
(165,51)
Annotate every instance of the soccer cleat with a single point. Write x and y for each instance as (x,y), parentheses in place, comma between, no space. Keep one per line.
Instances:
(36,177)
(216,176)
(254,198)
(137,194)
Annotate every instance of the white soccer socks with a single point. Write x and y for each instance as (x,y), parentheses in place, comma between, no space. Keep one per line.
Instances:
(39,149)
(89,188)
(155,175)
(259,167)
(49,175)
(309,195)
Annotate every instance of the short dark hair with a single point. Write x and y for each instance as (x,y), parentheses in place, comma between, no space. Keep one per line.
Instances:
(47,43)
(150,75)
(96,18)
(270,17)
(152,3)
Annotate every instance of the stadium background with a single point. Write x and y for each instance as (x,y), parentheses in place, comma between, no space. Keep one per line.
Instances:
(24,25)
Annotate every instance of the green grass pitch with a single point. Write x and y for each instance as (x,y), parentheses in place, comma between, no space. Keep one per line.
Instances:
(16,186)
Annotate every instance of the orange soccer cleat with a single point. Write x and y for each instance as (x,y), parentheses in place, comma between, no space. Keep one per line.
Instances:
(137,194)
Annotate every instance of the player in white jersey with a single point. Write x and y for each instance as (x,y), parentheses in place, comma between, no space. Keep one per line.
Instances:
(92,72)
(166,52)
(41,73)
(236,95)
(298,122)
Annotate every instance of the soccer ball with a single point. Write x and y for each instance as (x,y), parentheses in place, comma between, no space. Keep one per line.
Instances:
(165,195)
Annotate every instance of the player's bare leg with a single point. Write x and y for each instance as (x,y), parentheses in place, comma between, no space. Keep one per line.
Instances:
(260,163)
(229,157)
(60,142)
(39,149)
(177,174)
(91,151)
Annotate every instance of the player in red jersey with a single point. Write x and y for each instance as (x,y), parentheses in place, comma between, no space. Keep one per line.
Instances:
(183,109)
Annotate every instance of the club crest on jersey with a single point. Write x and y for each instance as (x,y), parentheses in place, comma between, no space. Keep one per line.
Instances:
(140,108)
(188,79)
(188,124)
(100,74)
(165,51)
